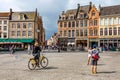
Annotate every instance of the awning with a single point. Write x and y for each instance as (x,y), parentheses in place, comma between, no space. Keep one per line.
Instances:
(24,40)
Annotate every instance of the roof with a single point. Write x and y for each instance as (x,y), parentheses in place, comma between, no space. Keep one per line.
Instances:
(27,15)
(5,14)
(83,8)
(110,10)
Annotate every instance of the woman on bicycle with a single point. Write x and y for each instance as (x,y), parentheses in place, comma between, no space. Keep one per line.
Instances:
(36,53)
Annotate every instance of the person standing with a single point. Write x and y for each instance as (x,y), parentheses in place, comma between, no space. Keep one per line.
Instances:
(89,55)
(94,57)
(29,51)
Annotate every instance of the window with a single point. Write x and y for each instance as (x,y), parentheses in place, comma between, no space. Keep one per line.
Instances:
(61,33)
(81,32)
(93,13)
(118,30)
(5,35)
(110,21)
(81,15)
(95,22)
(21,17)
(0,35)
(115,31)
(60,24)
(77,23)
(91,32)
(29,25)
(64,33)
(105,31)
(5,22)
(69,24)
(24,33)
(95,32)
(101,21)
(13,25)
(115,21)
(69,33)
(101,31)
(29,33)
(85,23)
(73,33)
(18,33)
(91,23)
(71,17)
(0,27)
(24,25)
(5,28)
(118,20)
(77,32)
(81,23)
(105,21)
(85,32)
(18,25)
(0,21)
(73,24)
(65,24)
(12,33)
(110,31)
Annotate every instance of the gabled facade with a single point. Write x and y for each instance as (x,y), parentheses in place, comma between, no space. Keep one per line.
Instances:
(93,27)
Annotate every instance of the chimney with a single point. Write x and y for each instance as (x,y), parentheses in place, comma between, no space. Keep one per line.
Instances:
(10,15)
(78,5)
(90,3)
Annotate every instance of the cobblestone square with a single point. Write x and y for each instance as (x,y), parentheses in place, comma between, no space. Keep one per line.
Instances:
(62,66)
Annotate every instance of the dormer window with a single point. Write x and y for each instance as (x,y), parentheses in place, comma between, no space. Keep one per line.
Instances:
(93,13)
(21,16)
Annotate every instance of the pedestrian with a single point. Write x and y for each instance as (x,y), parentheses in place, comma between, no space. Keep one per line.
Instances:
(89,55)
(94,60)
(12,49)
(29,49)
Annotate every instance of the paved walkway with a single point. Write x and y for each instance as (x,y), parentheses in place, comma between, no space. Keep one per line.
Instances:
(62,66)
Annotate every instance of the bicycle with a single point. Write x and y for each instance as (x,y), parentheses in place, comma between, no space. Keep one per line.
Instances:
(32,63)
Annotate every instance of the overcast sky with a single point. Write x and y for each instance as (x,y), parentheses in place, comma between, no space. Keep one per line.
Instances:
(50,9)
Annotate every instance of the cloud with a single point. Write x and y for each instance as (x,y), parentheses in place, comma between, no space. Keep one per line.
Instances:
(50,9)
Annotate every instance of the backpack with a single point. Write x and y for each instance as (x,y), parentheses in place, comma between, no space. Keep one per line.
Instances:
(95,55)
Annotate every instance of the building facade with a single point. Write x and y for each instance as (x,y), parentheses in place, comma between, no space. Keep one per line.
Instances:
(4,23)
(24,28)
(88,26)
(93,27)
(77,26)
(110,27)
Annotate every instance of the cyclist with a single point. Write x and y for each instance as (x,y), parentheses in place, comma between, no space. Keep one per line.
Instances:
(36,53)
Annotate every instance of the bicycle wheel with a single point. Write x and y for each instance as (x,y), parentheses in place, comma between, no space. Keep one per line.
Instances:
(44,62)
(32,64)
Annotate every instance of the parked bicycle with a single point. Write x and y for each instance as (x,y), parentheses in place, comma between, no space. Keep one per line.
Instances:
(32,63)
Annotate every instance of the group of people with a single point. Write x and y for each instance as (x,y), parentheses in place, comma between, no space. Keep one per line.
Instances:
(93,56)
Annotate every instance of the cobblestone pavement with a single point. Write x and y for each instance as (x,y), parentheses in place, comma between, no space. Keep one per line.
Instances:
(62,66)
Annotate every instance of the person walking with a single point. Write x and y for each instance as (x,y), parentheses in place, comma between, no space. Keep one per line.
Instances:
(94,60)
(12,49)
